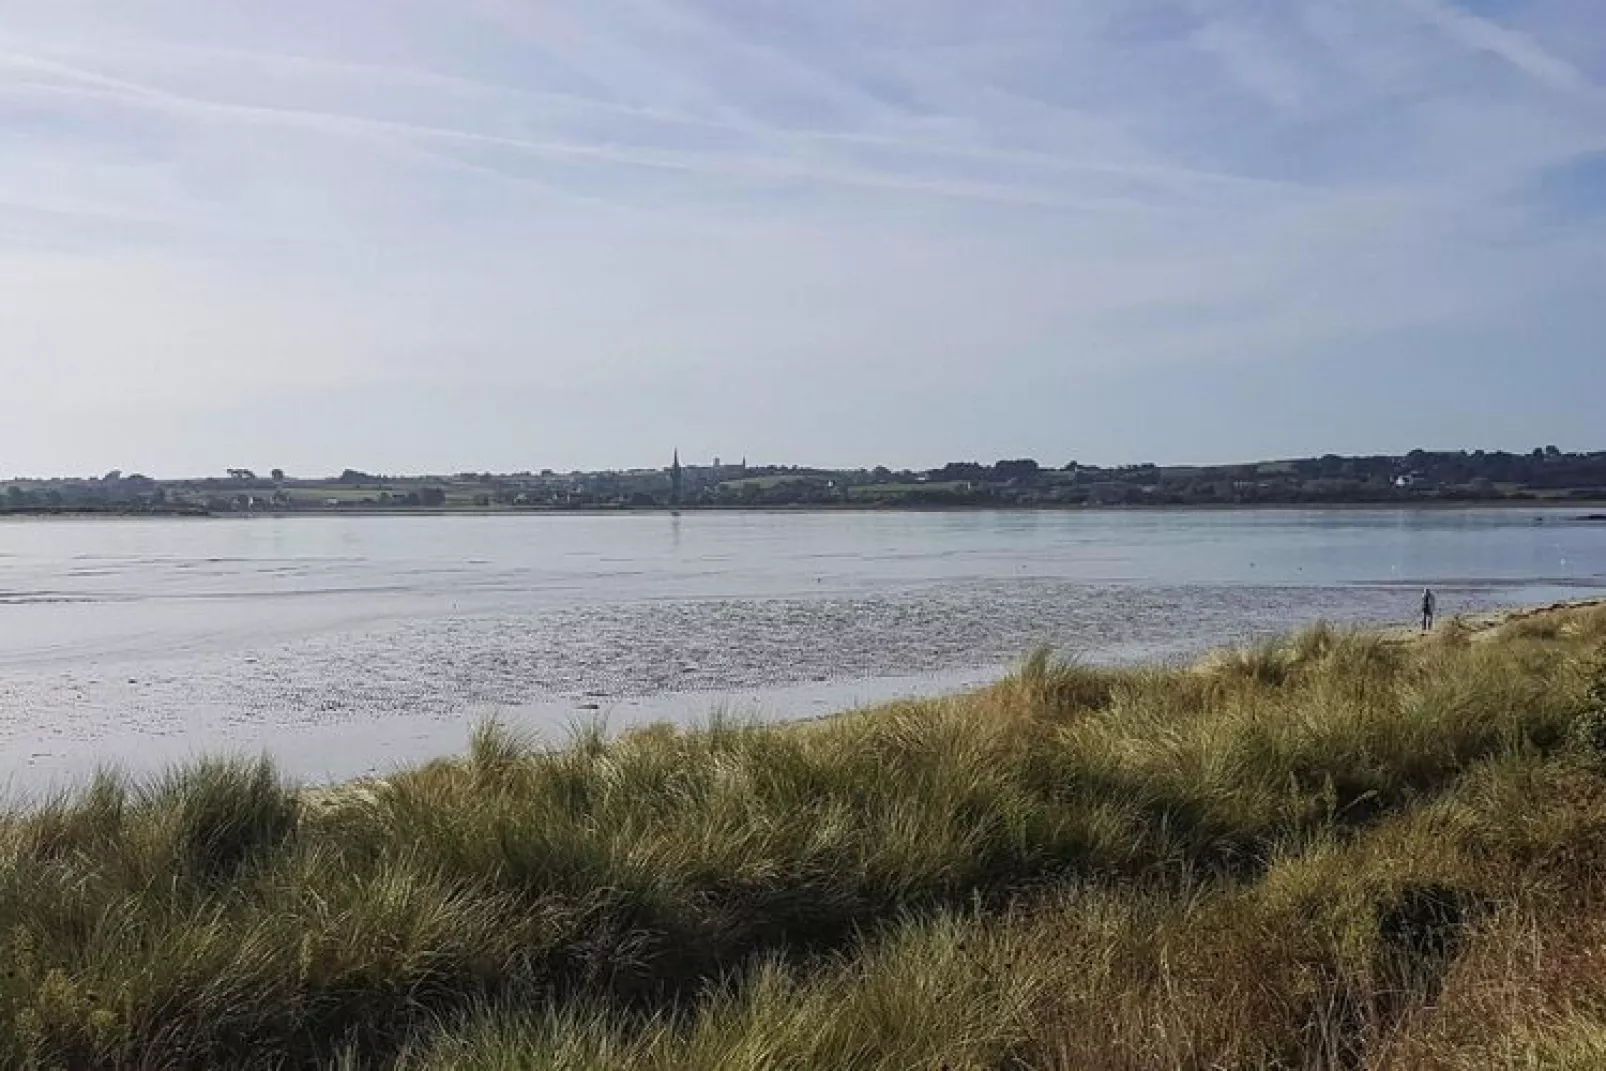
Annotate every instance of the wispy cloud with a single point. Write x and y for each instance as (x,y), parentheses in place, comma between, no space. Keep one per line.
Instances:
(712,196)
(77,82)
(1520,51)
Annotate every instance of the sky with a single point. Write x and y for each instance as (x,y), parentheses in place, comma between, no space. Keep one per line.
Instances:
(446,235)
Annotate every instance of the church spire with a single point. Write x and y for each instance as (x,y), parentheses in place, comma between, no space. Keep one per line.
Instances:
(675,479)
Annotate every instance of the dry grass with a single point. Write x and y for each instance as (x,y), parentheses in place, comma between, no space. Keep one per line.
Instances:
(1330,852)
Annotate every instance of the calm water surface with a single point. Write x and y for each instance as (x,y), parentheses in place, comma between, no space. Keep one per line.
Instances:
(351,644)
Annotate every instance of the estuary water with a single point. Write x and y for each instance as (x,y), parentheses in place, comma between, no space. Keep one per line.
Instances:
(349,645)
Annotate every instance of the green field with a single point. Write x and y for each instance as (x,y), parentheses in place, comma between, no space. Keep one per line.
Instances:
(904,490)
(457,497)
(1343,850)
(320,495)
(765,483)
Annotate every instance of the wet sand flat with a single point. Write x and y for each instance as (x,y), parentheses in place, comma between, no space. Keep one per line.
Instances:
(347,644)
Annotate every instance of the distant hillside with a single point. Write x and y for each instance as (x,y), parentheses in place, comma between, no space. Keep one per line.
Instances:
(1544,475)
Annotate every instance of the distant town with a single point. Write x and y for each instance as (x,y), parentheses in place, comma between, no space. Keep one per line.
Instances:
(1545,475)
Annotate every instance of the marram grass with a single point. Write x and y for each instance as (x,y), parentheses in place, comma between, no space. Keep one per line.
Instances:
(1334,851)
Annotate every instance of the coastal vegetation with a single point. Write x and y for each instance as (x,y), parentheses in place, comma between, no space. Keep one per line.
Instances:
(1338,850)
(1546,475)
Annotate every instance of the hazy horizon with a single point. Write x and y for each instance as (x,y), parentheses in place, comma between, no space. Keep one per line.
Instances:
(427,238)
(380,471)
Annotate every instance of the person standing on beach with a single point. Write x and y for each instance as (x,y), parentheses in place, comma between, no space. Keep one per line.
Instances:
(1430,604)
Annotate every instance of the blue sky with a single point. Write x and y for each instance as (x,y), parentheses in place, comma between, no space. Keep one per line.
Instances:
(415,235)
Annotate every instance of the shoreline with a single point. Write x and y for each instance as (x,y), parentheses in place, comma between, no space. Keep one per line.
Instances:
(322,752)
(1587,510)
(1202,507)
(1479,627)
(1486,624)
